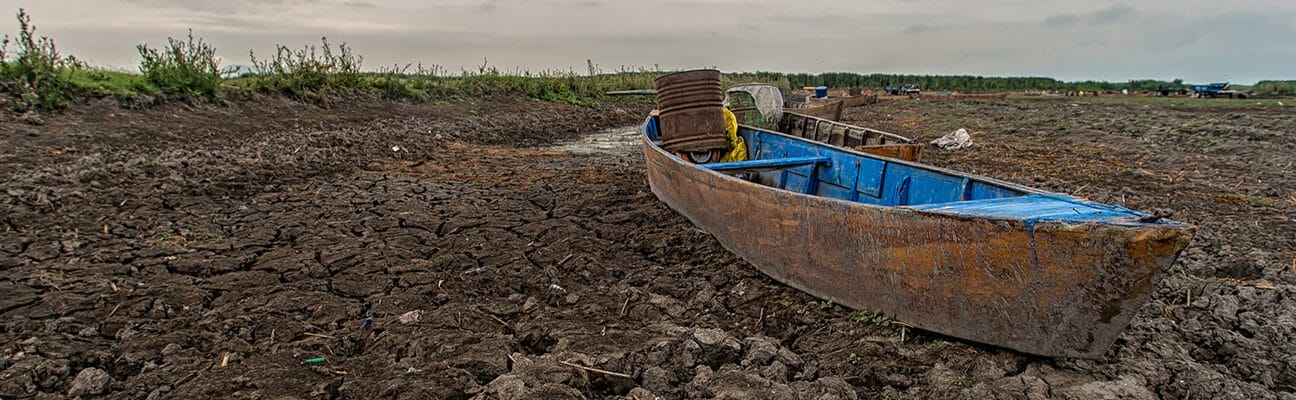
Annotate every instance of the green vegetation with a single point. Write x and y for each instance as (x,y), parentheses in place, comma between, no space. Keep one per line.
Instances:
(1275,88)
(965,83)
(188,67)
(105,83)
(310,72)
(38,77)
(875,317)
(36,68)
(962,381)
(424,83)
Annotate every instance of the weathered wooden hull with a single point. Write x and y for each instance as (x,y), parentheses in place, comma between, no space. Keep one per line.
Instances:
(830,111)
(1047,288)
(839,134)
(907,152)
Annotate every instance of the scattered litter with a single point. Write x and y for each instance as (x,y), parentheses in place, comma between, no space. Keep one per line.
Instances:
(319,360)
(368,321)
(556,288)
(954,140)
(410,317)
(396,148)
(413,370)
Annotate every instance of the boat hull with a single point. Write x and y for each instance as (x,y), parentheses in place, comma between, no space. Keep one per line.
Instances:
(830,111)
(1048,288)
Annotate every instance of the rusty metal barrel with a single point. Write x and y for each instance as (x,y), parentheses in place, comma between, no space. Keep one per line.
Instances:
(692,111)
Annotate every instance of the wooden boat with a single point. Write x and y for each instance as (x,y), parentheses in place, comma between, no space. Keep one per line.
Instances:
(839,134)
(954,253)
(831,111)
(762,104)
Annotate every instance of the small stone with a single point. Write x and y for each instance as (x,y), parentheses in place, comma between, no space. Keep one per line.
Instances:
(170,349)
(641,393)
(32,118)
(710,337)
(410,317)
(789,358)
(90,381)
(658,379)
(159,393)
(776,372)
(88,332)
(530,305)
(760,350)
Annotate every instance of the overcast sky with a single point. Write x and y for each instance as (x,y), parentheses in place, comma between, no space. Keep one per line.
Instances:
(1197,40)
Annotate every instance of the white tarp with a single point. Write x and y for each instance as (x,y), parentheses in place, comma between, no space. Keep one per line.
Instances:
(954,140)
(769,99)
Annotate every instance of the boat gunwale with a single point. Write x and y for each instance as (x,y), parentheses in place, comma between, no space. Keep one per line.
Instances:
(1159,223)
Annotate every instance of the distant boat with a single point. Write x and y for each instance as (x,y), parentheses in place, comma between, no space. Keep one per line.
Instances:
(953,253)
(831,111)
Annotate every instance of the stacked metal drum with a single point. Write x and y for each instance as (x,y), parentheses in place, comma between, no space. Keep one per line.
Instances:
(691,106)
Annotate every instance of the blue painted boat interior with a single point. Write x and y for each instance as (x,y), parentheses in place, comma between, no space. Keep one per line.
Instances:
(804,166)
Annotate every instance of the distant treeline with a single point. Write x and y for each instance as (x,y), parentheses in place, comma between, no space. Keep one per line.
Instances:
(963,83)
(975,84)
(1276,88)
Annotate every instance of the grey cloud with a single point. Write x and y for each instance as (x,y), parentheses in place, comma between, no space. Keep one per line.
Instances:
(1062,20)
(921,29)
(1009,37)
(487,7)
(359,4)
(1115,13)
(229,6)
(1109,15)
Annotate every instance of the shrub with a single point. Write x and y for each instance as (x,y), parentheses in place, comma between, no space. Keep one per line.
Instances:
(183,66)
(1276,88)
(309,72)
(37,68)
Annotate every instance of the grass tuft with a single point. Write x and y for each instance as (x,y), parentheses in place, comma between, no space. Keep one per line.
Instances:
(106,83)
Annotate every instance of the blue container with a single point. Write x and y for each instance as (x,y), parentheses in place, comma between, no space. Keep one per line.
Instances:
(821,92)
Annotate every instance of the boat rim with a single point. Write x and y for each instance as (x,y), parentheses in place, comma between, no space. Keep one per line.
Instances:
(1160,222)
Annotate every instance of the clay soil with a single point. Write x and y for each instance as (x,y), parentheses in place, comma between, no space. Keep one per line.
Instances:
(511,249)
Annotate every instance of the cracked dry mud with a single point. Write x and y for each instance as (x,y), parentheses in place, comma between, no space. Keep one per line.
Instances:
(195,251)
